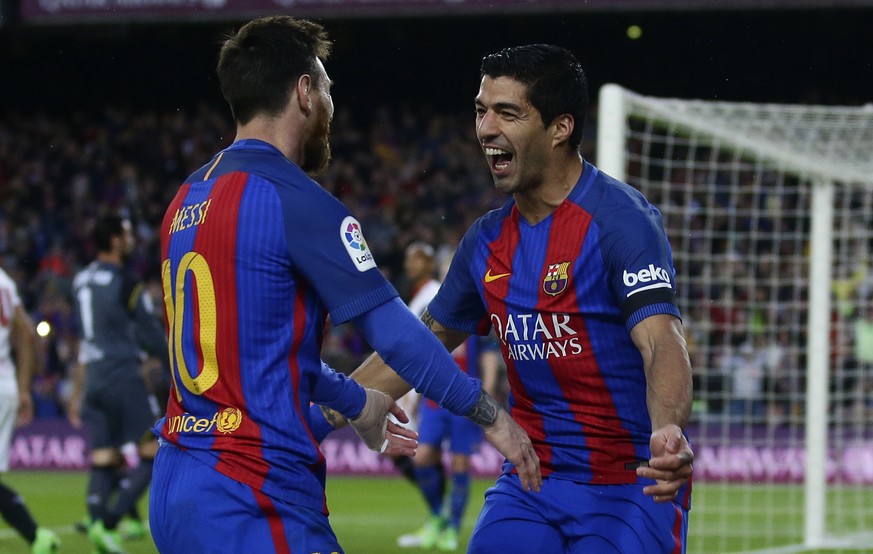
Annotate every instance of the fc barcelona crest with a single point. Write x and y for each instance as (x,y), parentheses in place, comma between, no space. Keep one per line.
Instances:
(556,278)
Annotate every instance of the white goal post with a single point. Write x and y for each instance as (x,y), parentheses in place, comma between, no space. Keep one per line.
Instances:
(769,209)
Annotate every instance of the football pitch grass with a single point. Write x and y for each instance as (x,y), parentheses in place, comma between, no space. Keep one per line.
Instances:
(369,513)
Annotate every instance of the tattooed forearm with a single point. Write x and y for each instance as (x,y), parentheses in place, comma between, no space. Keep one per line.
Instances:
(484,412)
(334,418)
(427,319)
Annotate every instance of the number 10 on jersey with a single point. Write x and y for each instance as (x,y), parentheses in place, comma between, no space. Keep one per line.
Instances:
(204,340)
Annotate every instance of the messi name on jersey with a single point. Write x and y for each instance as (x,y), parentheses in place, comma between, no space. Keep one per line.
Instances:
(190,216)
(537,336)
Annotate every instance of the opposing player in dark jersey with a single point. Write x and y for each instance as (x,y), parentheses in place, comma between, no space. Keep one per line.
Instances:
(575,276)
(118,324)
(255,256)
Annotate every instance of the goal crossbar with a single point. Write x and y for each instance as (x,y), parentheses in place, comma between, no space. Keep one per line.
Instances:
(792,137)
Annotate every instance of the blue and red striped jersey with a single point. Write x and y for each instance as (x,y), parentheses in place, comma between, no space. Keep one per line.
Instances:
(562,296)
(255,254)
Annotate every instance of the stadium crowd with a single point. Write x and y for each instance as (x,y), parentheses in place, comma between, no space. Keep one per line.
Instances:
(409,175)
(740,233)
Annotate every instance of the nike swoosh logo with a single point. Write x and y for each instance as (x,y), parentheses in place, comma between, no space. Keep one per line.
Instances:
(489,277)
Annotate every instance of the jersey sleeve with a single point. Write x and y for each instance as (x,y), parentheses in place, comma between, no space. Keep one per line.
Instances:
(458,304)
(327,246)
(318,424)
(639,262)
(338,392)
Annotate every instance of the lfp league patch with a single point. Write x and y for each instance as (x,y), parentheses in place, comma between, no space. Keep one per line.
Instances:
(356,246)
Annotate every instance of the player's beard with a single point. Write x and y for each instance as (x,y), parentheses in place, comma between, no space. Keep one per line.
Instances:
(316,154)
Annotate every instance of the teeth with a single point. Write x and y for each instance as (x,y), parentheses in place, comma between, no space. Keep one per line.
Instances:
(495,152)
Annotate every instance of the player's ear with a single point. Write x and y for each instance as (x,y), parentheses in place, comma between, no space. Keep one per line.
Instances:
(562,128)
(304,84)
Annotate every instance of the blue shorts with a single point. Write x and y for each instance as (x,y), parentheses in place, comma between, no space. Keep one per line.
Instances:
(566,517)
(194,509)
(436,425)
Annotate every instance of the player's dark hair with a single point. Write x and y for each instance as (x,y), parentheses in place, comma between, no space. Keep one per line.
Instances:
(105,229)
(259,64)
(555,81)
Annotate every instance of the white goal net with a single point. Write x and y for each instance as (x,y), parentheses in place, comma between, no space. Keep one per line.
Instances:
(769,210)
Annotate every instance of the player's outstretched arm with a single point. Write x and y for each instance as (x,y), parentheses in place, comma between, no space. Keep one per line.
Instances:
(417,357)
(434,380)
(374,373)
(509,439)
(380,434)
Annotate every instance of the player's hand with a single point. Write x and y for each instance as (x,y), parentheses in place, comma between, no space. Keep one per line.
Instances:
(401,440)
(380,434)
(670,465)
(512,441)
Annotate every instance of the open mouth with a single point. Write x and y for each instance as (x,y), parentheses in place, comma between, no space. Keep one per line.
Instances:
(499,160)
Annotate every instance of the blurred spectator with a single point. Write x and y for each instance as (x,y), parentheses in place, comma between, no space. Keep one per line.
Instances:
(746,370)
(783,386)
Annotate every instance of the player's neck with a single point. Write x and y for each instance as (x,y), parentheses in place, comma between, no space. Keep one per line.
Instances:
(277,131)
(559,178)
